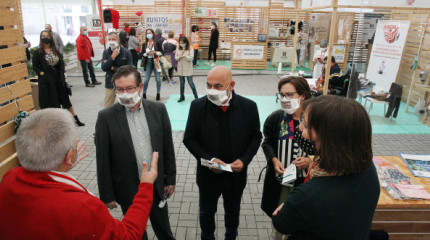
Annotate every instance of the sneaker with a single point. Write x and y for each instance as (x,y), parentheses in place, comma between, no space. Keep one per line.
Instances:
(207,63)
(97,83)
(171,83)
(89,85)
(213,65)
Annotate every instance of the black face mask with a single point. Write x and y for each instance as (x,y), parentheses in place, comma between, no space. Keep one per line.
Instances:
(127,39)
(197,30)
(46,40)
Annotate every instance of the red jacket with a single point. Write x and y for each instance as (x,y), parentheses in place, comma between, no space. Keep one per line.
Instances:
(35,206)
(84,48)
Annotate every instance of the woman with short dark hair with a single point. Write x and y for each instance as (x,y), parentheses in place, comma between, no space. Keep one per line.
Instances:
(341,191)
(283,145)
(213,44)
(48,64)
(195,42)
(149,54)
(169,48)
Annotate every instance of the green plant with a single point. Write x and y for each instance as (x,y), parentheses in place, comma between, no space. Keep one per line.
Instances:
(69,48)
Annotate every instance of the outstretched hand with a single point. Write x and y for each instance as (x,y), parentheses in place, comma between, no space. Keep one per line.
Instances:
(151,175)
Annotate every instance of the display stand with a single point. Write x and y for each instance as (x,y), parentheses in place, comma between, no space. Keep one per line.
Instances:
(249,55)
(15,91)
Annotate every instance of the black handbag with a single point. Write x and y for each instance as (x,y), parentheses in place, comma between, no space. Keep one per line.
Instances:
(68,88)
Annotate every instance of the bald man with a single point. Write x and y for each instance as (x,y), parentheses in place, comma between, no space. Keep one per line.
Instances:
(57,39)
(85,53)
(224,128)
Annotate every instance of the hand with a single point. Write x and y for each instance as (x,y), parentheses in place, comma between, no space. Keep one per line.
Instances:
(302,162)
(151,175)
(80,150)
(216,160)
(277,165)
(158,53)
(115,53)
(111,205)
(151,53)
(42,73)
(112,68)
(87,61)
(277,210)
(169,190)
(145,54)
(237,166)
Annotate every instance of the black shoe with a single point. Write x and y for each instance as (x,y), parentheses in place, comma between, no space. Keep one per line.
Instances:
(144,96)
(89,85)
(181,99)
(79,123)
(97,83)
(158,97)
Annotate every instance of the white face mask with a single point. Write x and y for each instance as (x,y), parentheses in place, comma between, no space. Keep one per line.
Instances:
(128,100)
(183,45)
(217,97)
(112,45)
(290,105)
(212,27)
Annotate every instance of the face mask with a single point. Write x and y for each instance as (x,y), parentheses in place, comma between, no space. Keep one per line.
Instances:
(112,45)
(128,100)
(217,97)
(85,33)
(289,105)
(212,27)
(46,40)
(127,39)
(197,30)
(149,36)
(323,49)
(183,45)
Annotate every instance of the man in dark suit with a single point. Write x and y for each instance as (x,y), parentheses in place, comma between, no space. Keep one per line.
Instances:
(127,133)
(225,128)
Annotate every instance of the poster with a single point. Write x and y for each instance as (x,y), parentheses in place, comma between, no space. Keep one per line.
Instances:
(384,63)
(95,34)
(319,24)
(255,52)
(200,12)
(369,25)
(166,22)
(339,53)
(238,25)
(418,164)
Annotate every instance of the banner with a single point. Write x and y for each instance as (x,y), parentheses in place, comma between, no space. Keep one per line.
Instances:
(384,3)
(95,34)
(166,22)
(255,52)
(390,38)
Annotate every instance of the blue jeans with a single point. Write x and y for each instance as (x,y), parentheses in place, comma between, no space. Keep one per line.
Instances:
(149,69)
(85,67)
(190,82)
(208,200)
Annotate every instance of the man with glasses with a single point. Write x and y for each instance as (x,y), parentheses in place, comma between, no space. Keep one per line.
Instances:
(126,135)
(223,128)
(113,58)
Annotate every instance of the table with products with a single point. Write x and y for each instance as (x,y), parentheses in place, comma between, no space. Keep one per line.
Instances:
(403,219)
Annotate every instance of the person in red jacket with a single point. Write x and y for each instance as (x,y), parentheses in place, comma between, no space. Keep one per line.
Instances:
(85,52)
(40,200)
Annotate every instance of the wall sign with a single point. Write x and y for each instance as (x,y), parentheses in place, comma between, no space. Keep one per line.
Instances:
(95,34)
(166,22)
(255,52)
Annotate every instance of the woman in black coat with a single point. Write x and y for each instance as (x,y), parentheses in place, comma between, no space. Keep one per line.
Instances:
(48,63)
(213,44)
(284,145)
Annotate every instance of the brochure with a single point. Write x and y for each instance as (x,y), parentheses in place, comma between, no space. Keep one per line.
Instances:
(214,165)
(418,164)
(290,175)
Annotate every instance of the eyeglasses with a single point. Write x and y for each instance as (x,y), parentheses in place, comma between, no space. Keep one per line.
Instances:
(280,96)
(123,90)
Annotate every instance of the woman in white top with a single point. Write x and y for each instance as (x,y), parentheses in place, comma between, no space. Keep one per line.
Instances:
(185,55)
(319,59)
(133,44)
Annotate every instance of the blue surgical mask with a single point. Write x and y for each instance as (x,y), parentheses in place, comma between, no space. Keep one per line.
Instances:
(85,33)
(149,36)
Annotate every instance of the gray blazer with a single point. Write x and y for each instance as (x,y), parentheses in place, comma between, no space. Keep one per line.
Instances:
(117,173)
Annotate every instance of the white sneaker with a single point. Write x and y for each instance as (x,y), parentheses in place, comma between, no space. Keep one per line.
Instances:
(213,65)
(207,63)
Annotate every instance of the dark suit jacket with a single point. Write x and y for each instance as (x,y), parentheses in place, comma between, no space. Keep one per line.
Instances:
(203,130)
(117,173)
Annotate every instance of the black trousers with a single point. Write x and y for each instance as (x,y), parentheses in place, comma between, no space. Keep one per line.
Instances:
(196,51)
(208,200)
(134,56)
(212,50)
(85,67)
(159,220)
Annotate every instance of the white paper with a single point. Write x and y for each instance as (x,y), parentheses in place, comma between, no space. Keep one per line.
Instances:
(290,175)
(214,165)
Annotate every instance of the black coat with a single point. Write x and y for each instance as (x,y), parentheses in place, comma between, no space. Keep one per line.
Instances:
(202,138)
(52,89)
(213,44)
(117,173)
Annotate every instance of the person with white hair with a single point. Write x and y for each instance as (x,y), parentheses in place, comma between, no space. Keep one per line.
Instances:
(41,200)
(319,59)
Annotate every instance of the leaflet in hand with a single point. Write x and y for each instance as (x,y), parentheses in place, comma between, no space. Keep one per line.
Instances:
(214,165)
(290,175)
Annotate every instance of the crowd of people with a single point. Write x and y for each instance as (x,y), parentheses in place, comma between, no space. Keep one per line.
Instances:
(135,155)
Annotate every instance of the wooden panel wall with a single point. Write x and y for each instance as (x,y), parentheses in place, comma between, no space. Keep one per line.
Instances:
(15,91)
(420,25)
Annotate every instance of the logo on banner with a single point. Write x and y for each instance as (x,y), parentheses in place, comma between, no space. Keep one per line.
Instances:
(410,2)
(391,33)
(239,52)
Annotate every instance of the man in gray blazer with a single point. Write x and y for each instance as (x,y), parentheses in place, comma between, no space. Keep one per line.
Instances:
(127,133)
